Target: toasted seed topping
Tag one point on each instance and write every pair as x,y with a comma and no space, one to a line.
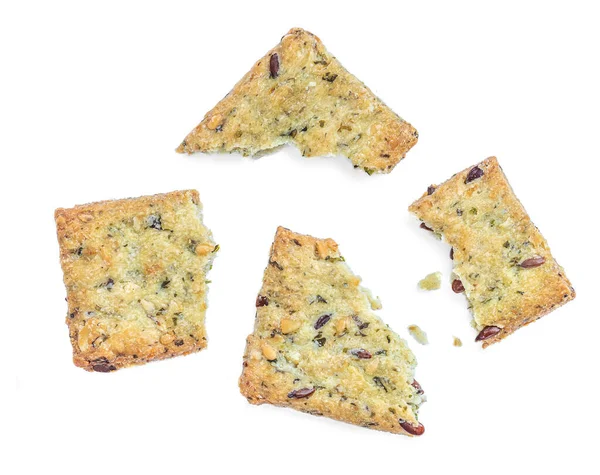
103,368
322,320
424,226
457,286
215,123
288,325
430,189
473,174
361,325
262,301
276,264
268,351
488,332
532,262
415,384
274,65
101,365
301,393
361,353
411,429
452,253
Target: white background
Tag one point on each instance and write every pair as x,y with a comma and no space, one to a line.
95,96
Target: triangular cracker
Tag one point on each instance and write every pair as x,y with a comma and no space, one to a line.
299,93
318,347
501,261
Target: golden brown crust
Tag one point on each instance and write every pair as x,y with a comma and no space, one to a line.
315,330
493,240
312,102
134,270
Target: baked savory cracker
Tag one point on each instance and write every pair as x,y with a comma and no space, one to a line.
299,93
318,347
501,261
135,273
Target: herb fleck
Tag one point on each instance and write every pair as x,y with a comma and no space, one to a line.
153,221
361,325
329,77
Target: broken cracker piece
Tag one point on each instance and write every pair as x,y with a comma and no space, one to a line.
298,93
135,272
501,261
327,353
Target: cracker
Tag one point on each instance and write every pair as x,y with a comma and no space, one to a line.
318,347
500,258
135,273
298,93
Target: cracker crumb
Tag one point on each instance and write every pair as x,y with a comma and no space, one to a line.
419,335
457,342
431,281
374,301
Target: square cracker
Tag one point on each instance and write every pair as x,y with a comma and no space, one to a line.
135,273
503,262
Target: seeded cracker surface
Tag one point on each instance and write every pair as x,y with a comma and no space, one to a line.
319,348
501,261
135,273
298,93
